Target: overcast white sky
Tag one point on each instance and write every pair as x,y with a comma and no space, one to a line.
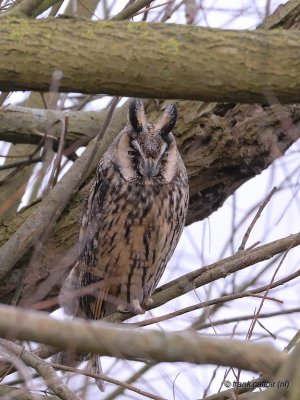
204,242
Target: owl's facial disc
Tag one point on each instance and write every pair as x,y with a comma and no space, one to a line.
149,156
148,150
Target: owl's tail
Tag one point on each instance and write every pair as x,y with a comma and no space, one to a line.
73,360
97,369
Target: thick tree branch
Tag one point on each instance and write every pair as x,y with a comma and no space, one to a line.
168,60
29,8
107,339
286,16
28,125
24,8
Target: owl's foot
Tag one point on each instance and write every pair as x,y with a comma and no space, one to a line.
97,369
149,302
137,309
69,358
123,308
134,307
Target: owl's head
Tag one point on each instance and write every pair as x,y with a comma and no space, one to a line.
148,150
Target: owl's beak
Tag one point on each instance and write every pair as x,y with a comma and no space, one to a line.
150,167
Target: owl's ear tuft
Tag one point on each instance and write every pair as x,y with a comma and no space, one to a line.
136,115
168,120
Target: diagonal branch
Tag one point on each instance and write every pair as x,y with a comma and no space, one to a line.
29,8
131,10
217,270
49,210
44,369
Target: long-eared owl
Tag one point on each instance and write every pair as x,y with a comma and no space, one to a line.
131,220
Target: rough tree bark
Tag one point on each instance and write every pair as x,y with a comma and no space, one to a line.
150,60
223,145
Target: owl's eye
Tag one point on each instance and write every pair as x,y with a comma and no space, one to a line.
131,153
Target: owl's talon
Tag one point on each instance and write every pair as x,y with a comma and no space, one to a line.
134,307
149,302
137,309
123,308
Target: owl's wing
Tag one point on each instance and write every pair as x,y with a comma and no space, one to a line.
91,282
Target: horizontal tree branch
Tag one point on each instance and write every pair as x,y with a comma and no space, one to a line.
150,60
28,125
111,340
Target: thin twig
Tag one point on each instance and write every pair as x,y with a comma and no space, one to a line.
21,163
57,162
14,393
293,341
43,368
106,378
266,294
147,9
113,395
217,270
131,10
257,215
204,304
250,316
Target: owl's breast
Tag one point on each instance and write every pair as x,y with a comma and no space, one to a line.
141,231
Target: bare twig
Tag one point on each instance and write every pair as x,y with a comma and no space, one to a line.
293,341
43,368
9,392
204,304
57,163
113,395
257,215
131,10
217,270
250,316
106,378
266,293
21,163
199,278
147,9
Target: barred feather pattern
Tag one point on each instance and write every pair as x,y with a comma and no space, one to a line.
131,220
